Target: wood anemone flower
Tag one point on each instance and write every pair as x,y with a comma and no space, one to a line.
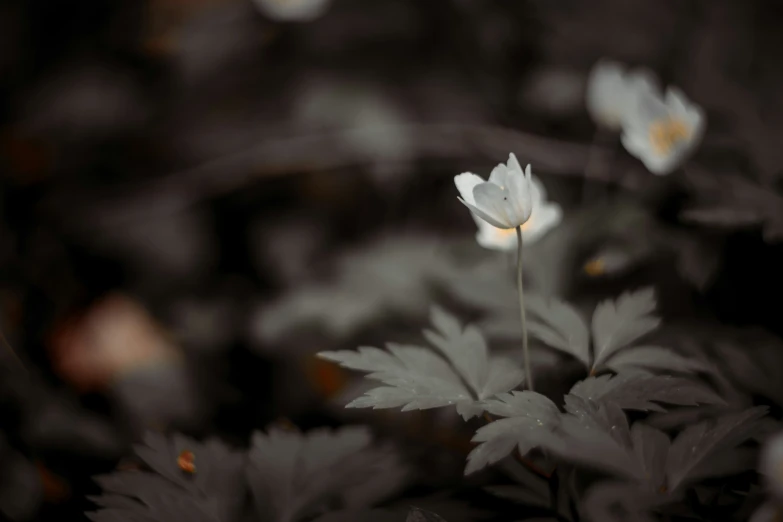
504,201
663,131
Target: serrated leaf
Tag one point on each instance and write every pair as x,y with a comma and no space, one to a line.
524,477
465,349
598,437
388,475
559,325
114,501
615,501
653,357
164,503
420,515
218,468
725,463
213,491
131,483
616,324
651,447
530,416
418,378
701,441
640,391
291,475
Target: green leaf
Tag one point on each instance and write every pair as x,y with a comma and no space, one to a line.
617,324
466,349
640,391
598,437
530,416
420,515
213,492
292,475
613,501
701,441
651,447
653,357
419,378
559,325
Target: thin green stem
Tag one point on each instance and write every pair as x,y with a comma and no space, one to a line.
525,351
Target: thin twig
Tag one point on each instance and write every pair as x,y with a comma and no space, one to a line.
273,154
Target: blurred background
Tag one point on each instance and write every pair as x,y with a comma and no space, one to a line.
198,195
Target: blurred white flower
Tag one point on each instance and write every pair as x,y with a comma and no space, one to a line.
293,10
554,91
505,201
612,92
771,464
370,124
663,133
544,216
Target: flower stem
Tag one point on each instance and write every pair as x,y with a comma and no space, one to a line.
525,351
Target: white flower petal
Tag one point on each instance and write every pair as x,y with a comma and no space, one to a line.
676,100
662,165
513,164
681,118
636,143
495,201
537,191
520,201
465,183
542,221
604,84
499,175
495,238
483,215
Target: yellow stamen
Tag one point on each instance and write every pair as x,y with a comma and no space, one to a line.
506,232
666,133
595,267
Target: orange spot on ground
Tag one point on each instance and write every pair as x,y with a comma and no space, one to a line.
326,377
595,267
28,159
187,462
55,489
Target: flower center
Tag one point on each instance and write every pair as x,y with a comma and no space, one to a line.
506,232
666,134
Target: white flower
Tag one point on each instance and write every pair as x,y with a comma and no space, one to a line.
544,216
293,10
505,201
612,91
771,464
663,133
